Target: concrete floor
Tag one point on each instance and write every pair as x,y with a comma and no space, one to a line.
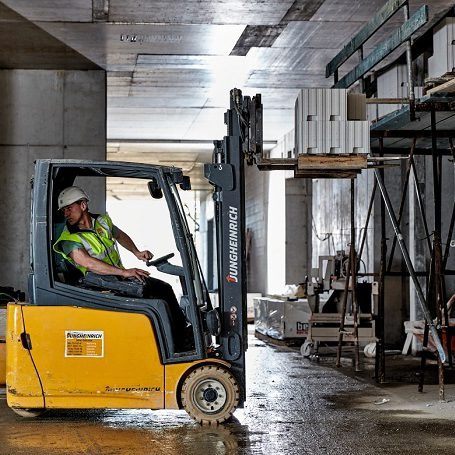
294,406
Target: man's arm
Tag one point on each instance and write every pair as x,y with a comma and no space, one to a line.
126,241
81,257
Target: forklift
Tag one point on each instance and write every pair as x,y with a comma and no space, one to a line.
89,343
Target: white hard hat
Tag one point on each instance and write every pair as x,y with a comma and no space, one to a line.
70,195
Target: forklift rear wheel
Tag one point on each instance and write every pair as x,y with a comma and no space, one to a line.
28,413
210,394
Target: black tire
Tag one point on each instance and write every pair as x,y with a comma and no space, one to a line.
210,394
29,413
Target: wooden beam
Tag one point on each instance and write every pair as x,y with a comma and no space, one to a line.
448,87
387,101
282,164
382,16
331,162
374,134
419,18
326,174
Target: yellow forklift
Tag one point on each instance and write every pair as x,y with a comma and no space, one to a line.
89,343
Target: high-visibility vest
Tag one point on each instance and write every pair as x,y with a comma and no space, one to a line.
98,242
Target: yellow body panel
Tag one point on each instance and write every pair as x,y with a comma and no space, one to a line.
122,371
25,392
2,362
125,372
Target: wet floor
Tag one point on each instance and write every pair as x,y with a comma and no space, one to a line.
294,406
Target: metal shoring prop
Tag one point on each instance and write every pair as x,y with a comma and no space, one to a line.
421,207
403,199
355,303
437,280
367,221
379,366
410,267
452,219
343,307
350,273
440,305
449,236
444,265
411,92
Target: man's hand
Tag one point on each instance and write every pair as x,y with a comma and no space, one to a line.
144,255
137,274
81,257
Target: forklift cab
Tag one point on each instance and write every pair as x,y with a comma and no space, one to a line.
54,281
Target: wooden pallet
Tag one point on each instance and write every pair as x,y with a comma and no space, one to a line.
289,342
330,166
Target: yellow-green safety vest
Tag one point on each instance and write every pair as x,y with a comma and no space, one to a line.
98,242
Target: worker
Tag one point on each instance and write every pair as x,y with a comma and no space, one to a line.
89,242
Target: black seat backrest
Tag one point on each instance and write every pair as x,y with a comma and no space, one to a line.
64,270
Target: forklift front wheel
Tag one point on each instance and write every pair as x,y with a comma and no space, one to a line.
28,413
210,394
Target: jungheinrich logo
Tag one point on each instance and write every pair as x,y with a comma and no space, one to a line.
233,276
84,335
132,389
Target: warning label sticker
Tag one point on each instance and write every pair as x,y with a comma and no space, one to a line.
82,343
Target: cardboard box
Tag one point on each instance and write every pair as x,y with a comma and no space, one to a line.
250,304
282,319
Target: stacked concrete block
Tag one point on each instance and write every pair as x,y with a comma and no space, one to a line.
392,84
284,147
331,121
357,106
443,59
320,104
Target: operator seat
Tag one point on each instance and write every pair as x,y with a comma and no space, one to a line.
64,271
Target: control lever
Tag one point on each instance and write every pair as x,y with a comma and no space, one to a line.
159,261
163,266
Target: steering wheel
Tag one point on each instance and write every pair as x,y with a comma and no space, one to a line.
159,261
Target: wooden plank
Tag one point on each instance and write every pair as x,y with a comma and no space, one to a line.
269,164
387,101
448,87
326,174
419,18
382,16
331,162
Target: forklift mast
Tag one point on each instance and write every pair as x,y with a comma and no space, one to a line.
227,174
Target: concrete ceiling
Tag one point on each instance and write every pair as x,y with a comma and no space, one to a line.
170,64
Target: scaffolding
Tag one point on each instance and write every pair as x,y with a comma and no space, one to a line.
397,134
424,126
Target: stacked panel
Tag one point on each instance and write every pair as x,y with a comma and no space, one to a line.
331,121
443,59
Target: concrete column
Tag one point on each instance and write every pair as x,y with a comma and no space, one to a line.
276,233
298,230
43,114
257,189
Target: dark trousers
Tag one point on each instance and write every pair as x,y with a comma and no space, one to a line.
157,289
152,289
